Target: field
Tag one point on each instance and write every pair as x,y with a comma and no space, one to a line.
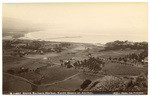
120,69
47,69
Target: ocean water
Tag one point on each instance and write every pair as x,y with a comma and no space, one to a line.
80,37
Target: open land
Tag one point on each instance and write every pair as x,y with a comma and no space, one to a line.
28,70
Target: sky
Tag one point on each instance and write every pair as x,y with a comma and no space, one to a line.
118,21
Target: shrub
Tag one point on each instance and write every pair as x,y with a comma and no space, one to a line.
112,83
108,83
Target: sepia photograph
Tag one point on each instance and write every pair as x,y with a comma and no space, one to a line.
75,48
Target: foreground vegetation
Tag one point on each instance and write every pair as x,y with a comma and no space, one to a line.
118,66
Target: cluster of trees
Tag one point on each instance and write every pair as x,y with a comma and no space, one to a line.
57,48
133,58
116,45
94,64
31,47
34,45
64,45
40,45
138,57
